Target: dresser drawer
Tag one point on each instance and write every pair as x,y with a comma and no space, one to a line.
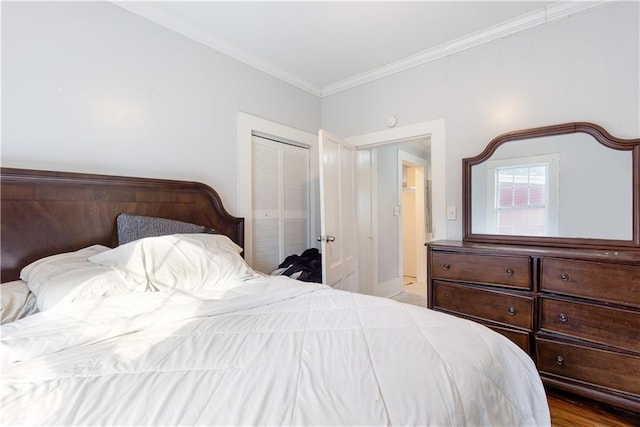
615,371
605,325
500,307
510,271
585,279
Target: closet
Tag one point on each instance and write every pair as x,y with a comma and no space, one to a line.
280,201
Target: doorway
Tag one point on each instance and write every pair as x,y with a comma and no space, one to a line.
415,209
378,234
410,221
398,210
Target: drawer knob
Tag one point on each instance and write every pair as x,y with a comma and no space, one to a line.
512,311
509,272
563,317
559,360
446,266
564,277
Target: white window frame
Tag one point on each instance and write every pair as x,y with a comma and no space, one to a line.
552,162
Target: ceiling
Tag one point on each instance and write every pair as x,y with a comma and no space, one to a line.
325,47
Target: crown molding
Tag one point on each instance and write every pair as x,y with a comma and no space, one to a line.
544,15
147,11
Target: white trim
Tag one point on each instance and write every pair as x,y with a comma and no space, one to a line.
148,11
541,16
395,135
248,124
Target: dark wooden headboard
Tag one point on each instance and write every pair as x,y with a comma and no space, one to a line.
44,213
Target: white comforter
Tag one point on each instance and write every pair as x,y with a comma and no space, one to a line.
273,351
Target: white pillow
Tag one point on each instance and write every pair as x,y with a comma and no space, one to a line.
70,276
182,262
17,301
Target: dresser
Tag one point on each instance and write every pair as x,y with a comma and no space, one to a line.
576,312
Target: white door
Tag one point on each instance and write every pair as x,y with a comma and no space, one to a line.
280,202
337,213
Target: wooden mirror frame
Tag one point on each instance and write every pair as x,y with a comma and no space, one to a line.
603,137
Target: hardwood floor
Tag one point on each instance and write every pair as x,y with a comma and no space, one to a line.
572,411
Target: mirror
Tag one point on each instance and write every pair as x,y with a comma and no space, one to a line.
565,185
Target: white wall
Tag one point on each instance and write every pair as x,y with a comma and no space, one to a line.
387,191
581,68
90,87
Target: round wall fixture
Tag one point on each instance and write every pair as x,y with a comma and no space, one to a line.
391,121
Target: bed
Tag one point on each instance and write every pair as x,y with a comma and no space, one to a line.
176,329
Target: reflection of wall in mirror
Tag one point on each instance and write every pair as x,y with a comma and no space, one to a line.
595,186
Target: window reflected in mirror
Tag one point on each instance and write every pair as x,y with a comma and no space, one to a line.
567,185
523,196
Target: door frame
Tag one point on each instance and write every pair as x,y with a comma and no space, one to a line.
248,125
421,260
435,130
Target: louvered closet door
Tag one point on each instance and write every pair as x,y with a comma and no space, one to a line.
280,198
